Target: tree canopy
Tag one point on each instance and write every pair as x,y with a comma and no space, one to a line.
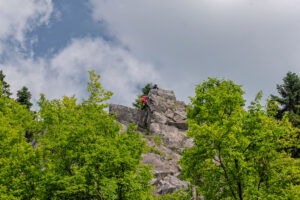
237,153
79,151
19,162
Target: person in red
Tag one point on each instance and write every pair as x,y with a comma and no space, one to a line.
144,99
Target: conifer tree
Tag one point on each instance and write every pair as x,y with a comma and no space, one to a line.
4,85
24,96
289,92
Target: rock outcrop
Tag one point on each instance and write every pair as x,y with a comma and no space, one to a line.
163,125
126,115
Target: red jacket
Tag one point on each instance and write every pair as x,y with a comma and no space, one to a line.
144,99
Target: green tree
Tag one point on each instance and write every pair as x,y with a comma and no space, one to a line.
289,92
19,163
80,153
24,96
145,91
236,151
4,86
289,102
85,154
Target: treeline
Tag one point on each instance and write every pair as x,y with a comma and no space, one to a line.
76,150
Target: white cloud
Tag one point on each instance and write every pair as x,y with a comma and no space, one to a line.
119,70
17,17
66,72
253,42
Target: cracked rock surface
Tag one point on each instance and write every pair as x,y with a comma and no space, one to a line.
163,125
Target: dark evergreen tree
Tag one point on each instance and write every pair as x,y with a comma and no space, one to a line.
289,93
147,88
24,97
4,85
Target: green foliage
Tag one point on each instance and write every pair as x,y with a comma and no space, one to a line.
289,102
145,91
97,94
236,153
19,163
80,153
24,96
157,139
180,194
289,93
215,99
76,150
85,154
147,88
272,107
153,149
4,86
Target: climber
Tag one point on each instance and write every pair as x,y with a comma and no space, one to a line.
155,87
144,99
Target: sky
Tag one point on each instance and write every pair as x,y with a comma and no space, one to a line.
49,45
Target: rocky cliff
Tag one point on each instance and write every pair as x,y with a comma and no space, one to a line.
163,127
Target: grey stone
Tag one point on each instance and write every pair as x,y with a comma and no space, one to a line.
169,184
165,117
127,115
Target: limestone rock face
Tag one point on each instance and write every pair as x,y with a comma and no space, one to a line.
163,125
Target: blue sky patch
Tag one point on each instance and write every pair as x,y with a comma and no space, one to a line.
72,19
